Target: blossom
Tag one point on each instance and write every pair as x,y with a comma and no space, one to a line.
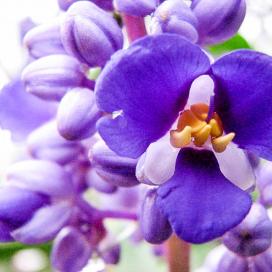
147,86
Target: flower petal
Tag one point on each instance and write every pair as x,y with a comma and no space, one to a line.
236,167
44,225
32,112
200,203
243,99
148,84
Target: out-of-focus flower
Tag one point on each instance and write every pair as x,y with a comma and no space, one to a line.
147,88
52,76
90,34
104,4
264,183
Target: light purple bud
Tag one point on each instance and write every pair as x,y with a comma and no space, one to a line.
18,205
104,4
52,76
77,114
98,183
45,143
139,8
174,16
218,21
118,171
231,262
44,40
264,183
71,250
154,225
112,255
253,236
25,25
90,34
44,177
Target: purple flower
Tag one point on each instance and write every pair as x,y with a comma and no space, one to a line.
52,76
104,4
147,88
90,34
44,40
77,114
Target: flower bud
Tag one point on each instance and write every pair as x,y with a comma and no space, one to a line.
77,114
112,255
155,226
90,34
139,8
104,4
45,143
174,16
218,21
119,171
52,76
264,183
71,250
253,236
44,40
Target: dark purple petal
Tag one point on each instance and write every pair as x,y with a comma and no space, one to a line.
154,224
147,84
5,233
71,250
77,114
44,177
243,99
200,203
21,112
117,170
44,225
17,205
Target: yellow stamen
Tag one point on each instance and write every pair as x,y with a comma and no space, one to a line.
202,136
187,118
216,129
200,110
182,138
220,144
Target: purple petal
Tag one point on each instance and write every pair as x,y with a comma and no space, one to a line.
243,99
71,250
44,225
42,176
148,84
5,233
21,112
18,205
200,203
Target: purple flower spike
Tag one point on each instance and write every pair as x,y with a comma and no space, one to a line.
104,4
90,34
154,225
118,171
44,40
52,76
77,114
38,111
253,236
218,21
174,16
42,176
45,143
71,250
136,8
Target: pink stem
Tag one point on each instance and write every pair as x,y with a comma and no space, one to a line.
135,27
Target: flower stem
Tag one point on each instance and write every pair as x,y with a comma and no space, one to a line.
135,27
178,255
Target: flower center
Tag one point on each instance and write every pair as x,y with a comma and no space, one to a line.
194,127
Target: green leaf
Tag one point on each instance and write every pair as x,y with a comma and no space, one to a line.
236,42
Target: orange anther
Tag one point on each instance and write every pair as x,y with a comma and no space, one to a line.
220,144
202,136
181,138
200,110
